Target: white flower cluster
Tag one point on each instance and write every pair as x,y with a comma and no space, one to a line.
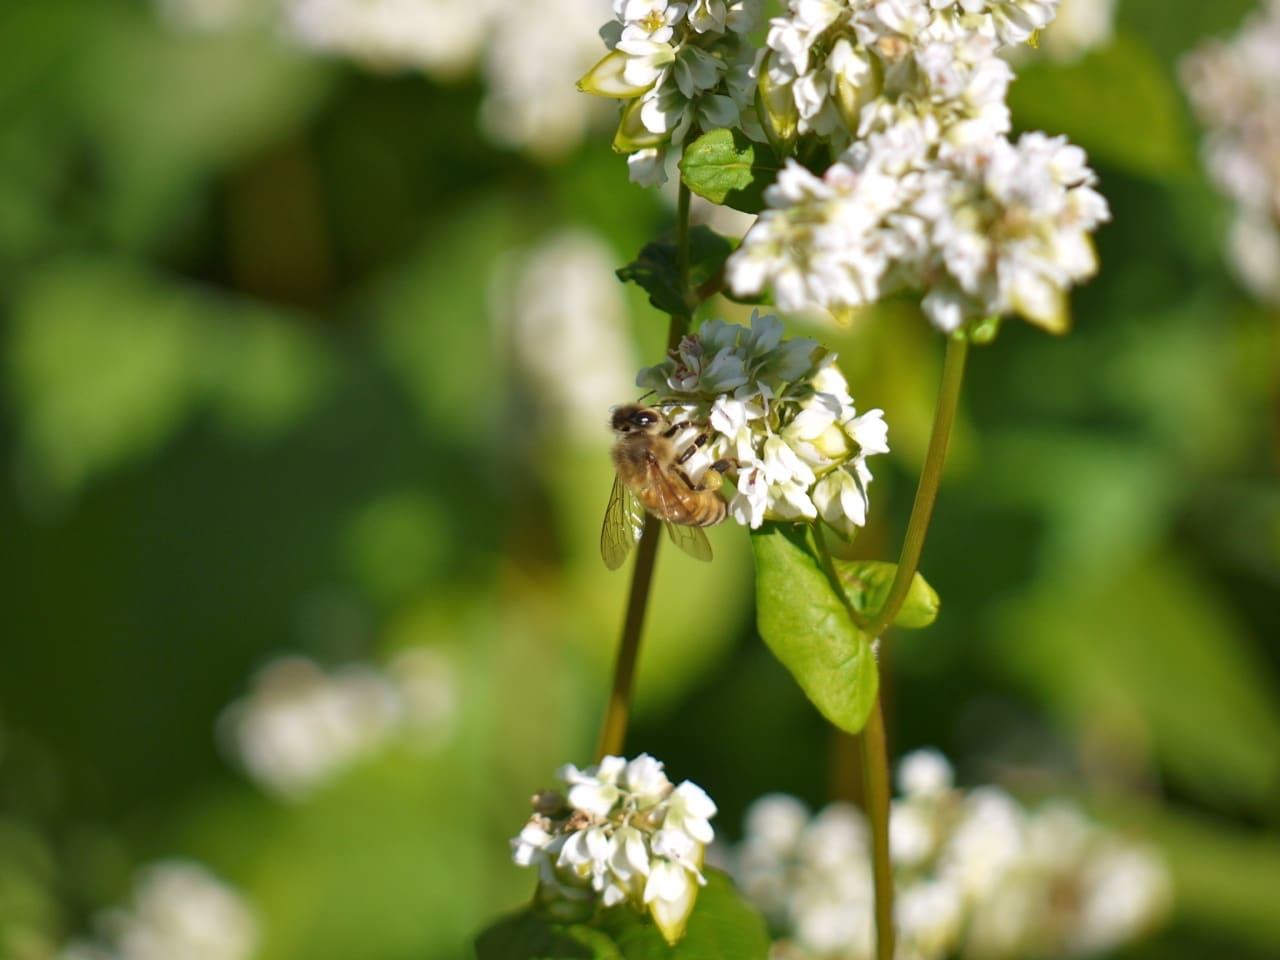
977,875
565,311
300,724
179,910
929,194
1234,87
780,414
621,833
529,54
683,68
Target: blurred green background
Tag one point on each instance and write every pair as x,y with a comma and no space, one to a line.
297,359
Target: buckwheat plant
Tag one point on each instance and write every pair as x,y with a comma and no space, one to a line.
870,138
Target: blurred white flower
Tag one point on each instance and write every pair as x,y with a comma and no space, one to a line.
427,685
179,910
978,876
299,725
535,53
528,55
565,312
442,37
1080,26
1234,86
780,415
620,833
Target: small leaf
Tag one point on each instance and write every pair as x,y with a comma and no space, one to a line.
655,268
808,627
723,926
528,935
725,167
866,584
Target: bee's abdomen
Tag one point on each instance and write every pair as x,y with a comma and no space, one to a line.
710,511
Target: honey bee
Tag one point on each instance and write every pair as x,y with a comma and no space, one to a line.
651,477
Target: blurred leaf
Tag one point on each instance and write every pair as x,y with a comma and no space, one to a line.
655,268
168,109
107,361
101,360
725,167
866,584
808,628
1142,131
1151,661
264,369
432,318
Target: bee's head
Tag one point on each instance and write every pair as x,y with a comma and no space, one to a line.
633,419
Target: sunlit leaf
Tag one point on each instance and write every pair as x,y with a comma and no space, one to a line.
725,167
866,584
808,627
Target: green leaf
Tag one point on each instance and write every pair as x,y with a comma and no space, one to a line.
655,268
723,926
1143,131
725,167
808,627
866,583
528,935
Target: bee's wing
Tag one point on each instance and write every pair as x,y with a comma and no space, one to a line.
623,524
691,540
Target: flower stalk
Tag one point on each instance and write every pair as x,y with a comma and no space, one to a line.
613,731
944,417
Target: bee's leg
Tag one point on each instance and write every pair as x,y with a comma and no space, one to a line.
724,465
699,441
695,487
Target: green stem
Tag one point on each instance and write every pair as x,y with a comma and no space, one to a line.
944,417
875,803
873,750
873,770
613,732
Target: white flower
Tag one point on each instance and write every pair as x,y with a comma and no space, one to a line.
299,725
683,68
976,874
924,773
1234,87
622,834
179,909
780,415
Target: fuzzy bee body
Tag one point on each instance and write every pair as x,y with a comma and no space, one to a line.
651,477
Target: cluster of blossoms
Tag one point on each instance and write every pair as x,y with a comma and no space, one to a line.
620,833
179,909
1234,87
928,193
781,414
682,68
300,725
527,53
978,875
